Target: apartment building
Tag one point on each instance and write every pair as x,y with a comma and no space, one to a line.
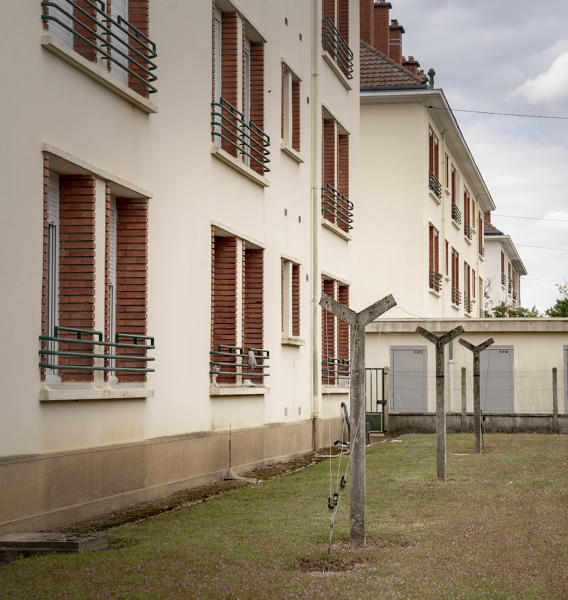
422,236
183,184
504,268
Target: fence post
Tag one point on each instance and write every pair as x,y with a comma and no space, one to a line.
554,400
464,401
386,398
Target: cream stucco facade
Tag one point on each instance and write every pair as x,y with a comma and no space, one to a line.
174,426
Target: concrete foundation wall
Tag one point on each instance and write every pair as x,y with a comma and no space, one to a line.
56,489
426,423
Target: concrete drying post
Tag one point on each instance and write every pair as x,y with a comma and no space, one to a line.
357,322
440,342
476,389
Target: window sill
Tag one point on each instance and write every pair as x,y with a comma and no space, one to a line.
73,391
334,389
292,341
456,306
432,195
235,389
434,293
293,154
481,257
456,225
466,239
239,166
447,191
335,68
337,230
98,73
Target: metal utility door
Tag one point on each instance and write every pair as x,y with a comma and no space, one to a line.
409,379
497,380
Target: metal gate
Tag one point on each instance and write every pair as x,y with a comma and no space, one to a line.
375,398
496,380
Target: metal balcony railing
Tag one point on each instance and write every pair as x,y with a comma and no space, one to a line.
503,279
231,364
240,137
514,295
435,281
456,296
435,186
337,47
58,353
456,214
336,371
509,285
468,231
481,250
336,208
467,304
115,40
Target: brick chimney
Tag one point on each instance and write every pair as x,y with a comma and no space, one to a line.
381,23
395,41
411,64
367,21
487,216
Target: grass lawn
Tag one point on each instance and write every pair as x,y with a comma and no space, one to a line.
498,528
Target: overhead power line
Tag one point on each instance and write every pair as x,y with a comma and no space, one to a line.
543,247
532,218
501,114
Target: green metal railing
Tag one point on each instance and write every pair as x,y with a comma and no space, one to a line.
338,207
233,361
456,214
456,296
229,126
503,279
116,40
337,47
435,281
435,185
482,250
93,338
467,304
335,370
468,231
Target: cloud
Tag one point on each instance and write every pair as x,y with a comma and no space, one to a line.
551,85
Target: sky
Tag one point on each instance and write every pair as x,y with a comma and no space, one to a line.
507,56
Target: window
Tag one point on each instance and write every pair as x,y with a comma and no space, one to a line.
456,294
290,278
290,118
447,255
335,337
434,164
481,293
447,170
466,287
503,278
335,206
509,280
72,344
238,119
335,34
115,33
473,284
434,276
456,213
237,310
467,230
480,234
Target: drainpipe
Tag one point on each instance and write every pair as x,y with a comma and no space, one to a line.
314,101
451,374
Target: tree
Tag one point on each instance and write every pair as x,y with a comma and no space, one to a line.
505,310
560,308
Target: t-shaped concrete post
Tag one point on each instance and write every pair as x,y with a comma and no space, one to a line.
357,322
440,342
476,389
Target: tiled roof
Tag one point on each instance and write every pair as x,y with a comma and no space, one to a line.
378,70
490,229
